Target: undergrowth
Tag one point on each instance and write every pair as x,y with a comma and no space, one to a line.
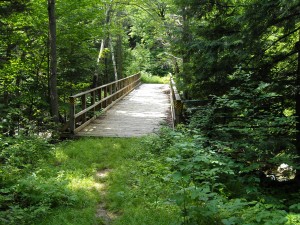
153,79
173,178
209,188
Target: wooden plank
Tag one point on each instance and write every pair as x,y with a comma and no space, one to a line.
77,120
176,104
139,113
95,104
103,110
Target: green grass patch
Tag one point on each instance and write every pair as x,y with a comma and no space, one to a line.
77,162
64,188
139,192
141,216
71,216
153,79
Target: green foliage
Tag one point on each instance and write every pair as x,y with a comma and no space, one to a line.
33,197
148,40
140,59
78,162
153,79
210,186
217,38
22,154
24,60
138,188
78,32
174,177
25,194
242,54
249,125
160,145
41,184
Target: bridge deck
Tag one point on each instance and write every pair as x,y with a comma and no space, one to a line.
139,113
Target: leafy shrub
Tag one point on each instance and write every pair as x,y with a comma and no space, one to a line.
24,194
32,197
158,145
22,152
152,79
210,186
249,125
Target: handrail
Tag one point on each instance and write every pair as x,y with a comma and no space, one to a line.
85,106
176,104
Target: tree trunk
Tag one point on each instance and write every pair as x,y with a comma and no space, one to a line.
297,99
119,57
102,47
96,75
101,51
186,36
53,62
7,58
119,49
113,58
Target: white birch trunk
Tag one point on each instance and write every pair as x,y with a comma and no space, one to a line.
113,58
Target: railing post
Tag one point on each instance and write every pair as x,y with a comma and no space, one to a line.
93,95
110,93
72,114
83,107
177,104
115,91
105,95
127,85
131,80
119,88
99,97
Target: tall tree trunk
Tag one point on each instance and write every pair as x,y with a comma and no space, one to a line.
119,56
7,58
297,99
119,49
113,58
96,74
101,51
186,36
102,47
53,62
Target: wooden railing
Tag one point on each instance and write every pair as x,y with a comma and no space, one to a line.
176,104
87,105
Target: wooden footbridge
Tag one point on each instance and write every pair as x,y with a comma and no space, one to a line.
124,108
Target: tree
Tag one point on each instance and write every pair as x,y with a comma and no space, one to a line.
148,28
53,62
297,100
24,70
103,44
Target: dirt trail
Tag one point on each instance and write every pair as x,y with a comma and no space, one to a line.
102,213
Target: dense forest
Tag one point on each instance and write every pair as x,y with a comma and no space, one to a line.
236,63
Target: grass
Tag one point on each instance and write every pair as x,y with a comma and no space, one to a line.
138,190
67,189
77,162
153,79
129,193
